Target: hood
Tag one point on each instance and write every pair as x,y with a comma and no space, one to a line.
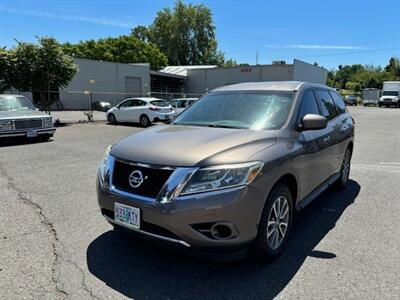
22,114
175,145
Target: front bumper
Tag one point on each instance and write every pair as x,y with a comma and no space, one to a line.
388,102
173,223
23,132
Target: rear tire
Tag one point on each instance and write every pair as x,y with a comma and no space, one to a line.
144,121
111,119
275,225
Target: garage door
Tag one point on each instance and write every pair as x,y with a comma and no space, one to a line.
133,86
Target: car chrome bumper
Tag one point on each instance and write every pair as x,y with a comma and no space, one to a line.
22,133
152,235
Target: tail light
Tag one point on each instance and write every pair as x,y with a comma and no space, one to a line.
153,108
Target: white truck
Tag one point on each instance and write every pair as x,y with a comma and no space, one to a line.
370,96
390,94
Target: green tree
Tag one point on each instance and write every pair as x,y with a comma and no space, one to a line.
37,68
53,70
186,34
393,68
4,70
122,49
22,62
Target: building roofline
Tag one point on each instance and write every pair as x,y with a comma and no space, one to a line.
159,73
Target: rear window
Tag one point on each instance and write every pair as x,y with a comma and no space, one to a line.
160,103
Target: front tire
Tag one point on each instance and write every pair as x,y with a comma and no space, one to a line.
111,119
345,170
275,225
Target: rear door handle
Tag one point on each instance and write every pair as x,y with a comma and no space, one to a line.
327,139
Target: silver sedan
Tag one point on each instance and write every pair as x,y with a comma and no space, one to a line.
20,118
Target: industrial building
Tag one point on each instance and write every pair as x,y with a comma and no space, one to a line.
202,80
112,82
104,81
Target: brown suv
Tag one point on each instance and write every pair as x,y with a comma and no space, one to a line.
227,175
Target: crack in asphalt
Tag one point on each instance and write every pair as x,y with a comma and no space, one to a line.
55,240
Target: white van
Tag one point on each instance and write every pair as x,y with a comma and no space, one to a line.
390,94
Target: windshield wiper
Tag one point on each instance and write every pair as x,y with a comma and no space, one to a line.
190,124
226,126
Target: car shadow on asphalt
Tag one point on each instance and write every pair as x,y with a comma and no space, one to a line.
144,271
7,142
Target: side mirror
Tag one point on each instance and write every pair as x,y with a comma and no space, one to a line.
314,122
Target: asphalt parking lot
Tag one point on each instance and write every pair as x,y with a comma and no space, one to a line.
54,244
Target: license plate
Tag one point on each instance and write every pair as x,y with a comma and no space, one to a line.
31,134
127,215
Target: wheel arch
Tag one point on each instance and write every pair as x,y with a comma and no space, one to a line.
291,182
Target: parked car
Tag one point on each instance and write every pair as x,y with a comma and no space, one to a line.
181,104
101,106
141,110
19,118
227,175
350,100
390,94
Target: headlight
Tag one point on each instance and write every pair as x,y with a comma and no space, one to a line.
104,169
222,177
6,125
48,122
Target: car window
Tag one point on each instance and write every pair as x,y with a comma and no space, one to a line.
308,105
160,103
326,104
137,102
239,109
15,103
127,103
173,103
182,104
340,105
191,102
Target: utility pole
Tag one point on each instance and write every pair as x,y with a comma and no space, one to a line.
257,57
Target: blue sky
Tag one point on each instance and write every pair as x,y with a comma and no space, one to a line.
328,32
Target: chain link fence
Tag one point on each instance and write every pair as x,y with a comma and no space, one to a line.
87,100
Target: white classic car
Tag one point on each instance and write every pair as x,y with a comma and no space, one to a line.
20,118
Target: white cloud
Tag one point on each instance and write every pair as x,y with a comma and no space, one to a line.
315,47
65,17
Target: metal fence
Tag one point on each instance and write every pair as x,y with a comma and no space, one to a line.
84,100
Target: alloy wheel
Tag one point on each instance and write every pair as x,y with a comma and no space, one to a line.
278,221
144,121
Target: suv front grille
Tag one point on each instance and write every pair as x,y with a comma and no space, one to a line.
154,179
27,124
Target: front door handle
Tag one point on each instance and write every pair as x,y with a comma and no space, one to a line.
327,139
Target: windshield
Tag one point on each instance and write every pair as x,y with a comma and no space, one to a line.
15,103
239,109
159,103
390,93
